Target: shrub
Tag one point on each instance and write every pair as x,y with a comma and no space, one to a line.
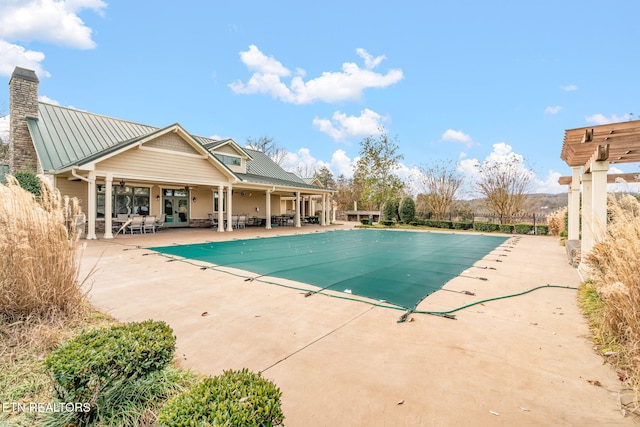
38,268
463,225
438,223
364,221
29,181
506,228
407,210
390,210
523,228
235,398
542,230
414,223
485,226
556,222
386,222
93,364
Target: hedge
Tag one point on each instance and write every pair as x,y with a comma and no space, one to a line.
235,398
485,226
523,228
506,228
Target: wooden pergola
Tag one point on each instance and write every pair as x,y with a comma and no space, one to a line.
589,151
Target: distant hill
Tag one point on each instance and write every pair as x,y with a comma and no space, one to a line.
544,204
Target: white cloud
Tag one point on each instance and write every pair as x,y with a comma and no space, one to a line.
49,21
552,110
550,184
462,155
44,98
346,85
341,126
569,88
12,55
457,136
601,119
341,164
4,128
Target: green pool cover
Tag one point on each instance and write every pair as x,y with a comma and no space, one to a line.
397,267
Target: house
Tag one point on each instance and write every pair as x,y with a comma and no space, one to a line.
116,166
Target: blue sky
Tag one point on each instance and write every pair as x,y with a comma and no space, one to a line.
459,81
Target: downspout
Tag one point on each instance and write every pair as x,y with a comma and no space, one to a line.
91,204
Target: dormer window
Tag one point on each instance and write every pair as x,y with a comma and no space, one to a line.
228,160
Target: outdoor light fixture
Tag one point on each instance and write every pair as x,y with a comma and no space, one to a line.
158,197
186,188
122,183
193,200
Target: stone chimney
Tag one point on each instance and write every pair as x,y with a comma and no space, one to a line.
23,103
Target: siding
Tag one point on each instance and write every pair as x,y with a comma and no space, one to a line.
160,166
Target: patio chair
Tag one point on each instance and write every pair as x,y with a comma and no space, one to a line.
160,222
242,221
234,221
149,224
135,224
213,220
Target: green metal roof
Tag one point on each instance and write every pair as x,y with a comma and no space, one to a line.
64,137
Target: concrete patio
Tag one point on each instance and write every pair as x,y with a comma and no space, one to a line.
526,360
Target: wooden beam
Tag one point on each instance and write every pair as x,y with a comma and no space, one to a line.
612,178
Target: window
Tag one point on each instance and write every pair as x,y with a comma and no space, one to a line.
215,201
125,200
229,160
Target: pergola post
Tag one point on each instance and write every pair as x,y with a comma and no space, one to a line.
599,201
587,215
574,206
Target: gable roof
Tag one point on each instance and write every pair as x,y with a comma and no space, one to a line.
64,137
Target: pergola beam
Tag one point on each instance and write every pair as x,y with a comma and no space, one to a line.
612,178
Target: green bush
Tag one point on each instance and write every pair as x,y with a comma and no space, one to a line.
235,398
390,210
564,234
414,223
463,225
506,228
485,226
29,181
92,364
438,223
523,228
407,210
386,222
364,221
542,230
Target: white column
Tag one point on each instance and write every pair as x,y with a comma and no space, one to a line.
297,217
303,210
334,208
229,208
323,217
267,210
108,196
220,211
587,215
599,199
91,194
574,205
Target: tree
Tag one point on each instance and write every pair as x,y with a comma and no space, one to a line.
266,145
346,193
440,182
374,171
407,210
325,176
504,184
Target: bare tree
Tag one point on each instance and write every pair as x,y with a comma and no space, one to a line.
268,147
504,185
305,170
440,182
